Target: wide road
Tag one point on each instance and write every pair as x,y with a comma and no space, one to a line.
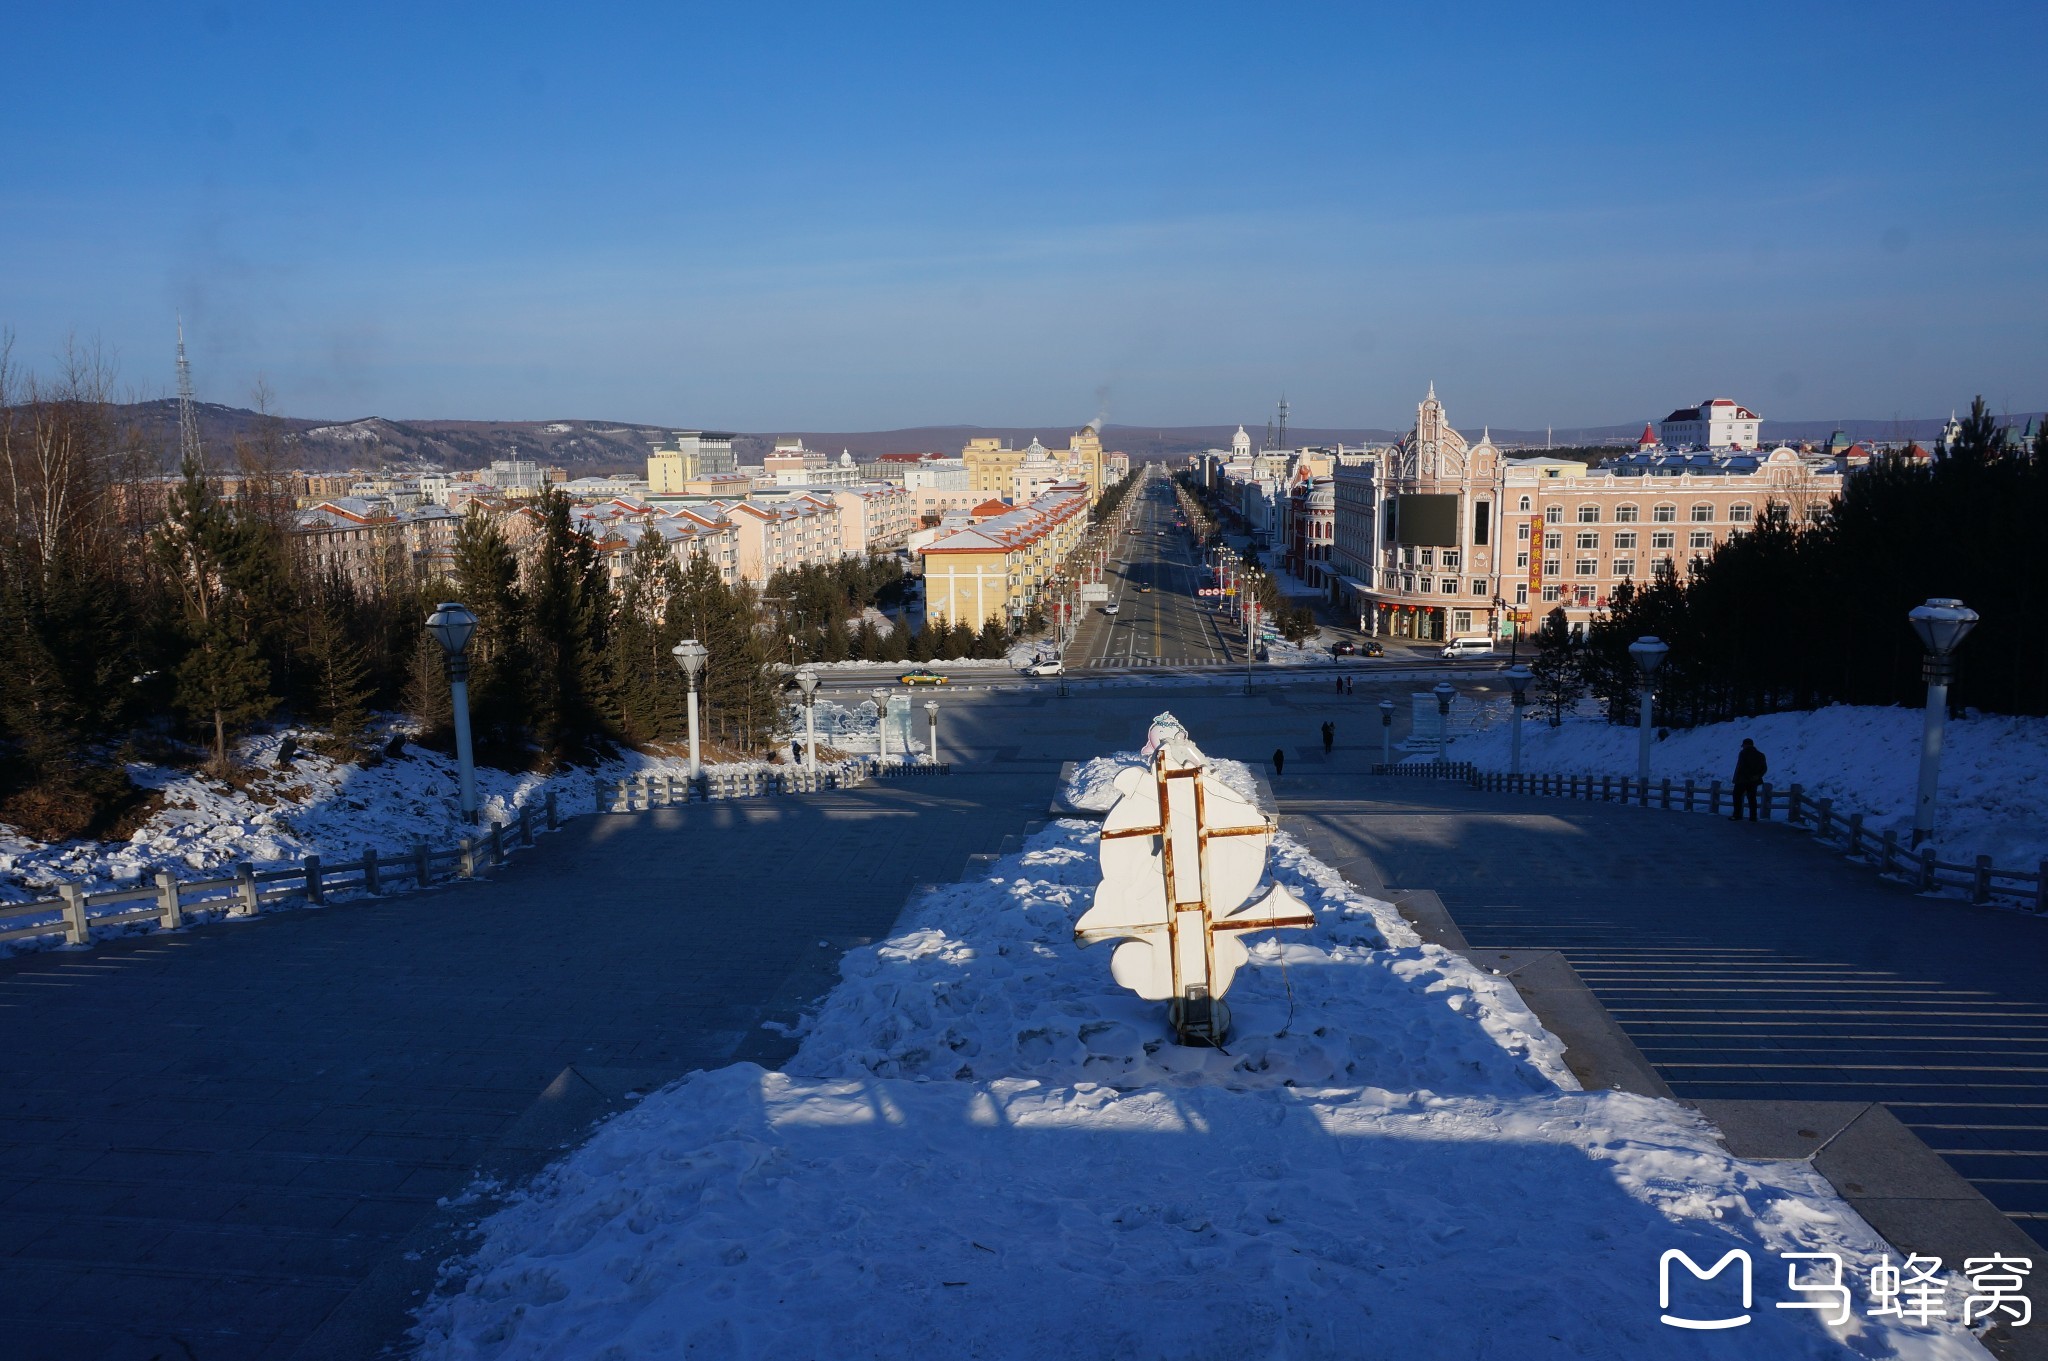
1170,623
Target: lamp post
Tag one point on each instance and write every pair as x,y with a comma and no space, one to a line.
931,720
452,625
690,655
1386,732
1942,624
807,681
1445,692
882,724
1649,654
1518,677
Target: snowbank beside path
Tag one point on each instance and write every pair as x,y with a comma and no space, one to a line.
984,1148
317,806
1994,769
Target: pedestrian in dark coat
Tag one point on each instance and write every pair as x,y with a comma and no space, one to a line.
1279,762
1329,737
1340,685
1347,685
1750,769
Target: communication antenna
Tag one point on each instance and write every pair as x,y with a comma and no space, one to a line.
1283,422
189,448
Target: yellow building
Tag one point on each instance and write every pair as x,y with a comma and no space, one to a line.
1016,475
995,568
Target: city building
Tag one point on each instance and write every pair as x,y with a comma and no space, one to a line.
778,533
1714,424
695,455
995,567
1446,537
874,517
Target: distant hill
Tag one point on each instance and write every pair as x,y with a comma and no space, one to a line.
618,446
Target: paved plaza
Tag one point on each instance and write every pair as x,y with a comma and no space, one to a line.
214,1144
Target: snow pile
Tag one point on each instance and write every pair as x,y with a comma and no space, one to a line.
315,806
983,1148
1994,769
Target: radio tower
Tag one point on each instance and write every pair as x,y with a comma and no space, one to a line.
1283,422
190,454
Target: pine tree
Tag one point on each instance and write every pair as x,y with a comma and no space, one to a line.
959,640
222,680
426,697
487,581
1559,683
337,678
567,610
990,644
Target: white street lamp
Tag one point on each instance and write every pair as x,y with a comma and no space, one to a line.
1445,692
1386,732
691,655
1518,677
807,682
931,718
452,626
1649,654
882,724
1942,624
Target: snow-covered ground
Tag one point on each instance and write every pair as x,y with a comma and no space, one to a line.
985,1148
1994,770
317,806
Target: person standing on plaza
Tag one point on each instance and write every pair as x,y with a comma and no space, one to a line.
1279,762
1750,769
1329,737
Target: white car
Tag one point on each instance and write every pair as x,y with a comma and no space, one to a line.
1111,608
1052,668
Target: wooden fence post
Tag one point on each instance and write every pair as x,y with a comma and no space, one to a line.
76,930
170,907
467,862
526,825
1688,795
1765,796
245,889
1888,852
1824,819
497,844
1665,793
1855,833
1927,869
316,891
422,864
1980,884
1714,797
1794,814
372,881
2041,888
553,820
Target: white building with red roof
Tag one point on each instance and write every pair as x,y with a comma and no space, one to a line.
1716,423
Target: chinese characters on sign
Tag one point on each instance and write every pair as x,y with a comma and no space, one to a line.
1915,1292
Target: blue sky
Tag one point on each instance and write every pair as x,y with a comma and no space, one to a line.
858,217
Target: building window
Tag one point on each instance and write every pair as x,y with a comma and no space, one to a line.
1741,513
1553,542
1553,515
1482,522
1450,585
1703,512
1429,557
1522,593
1426,584
1700,538
1589,514
1664,514
1478,586
1551,568
1663,538
1624,567
1626,514
1450,557
1461,621
1816,513
1551,593
1589,538
1625,539
1586,567
1585,595
1523,504
1522,532
1521,562
1661,569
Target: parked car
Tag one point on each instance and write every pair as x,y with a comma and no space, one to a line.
922,678
1472,646
1046,668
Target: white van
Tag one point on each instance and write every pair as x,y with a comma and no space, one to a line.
1476,645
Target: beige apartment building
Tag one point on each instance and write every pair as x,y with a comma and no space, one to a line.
1441,537
996,567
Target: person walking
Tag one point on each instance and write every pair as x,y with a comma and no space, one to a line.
1340,685
1347,685
1329,737
1279,762
1750,769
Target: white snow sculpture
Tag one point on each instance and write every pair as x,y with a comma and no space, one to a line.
1181,852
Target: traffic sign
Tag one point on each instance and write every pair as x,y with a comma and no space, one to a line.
1211,590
